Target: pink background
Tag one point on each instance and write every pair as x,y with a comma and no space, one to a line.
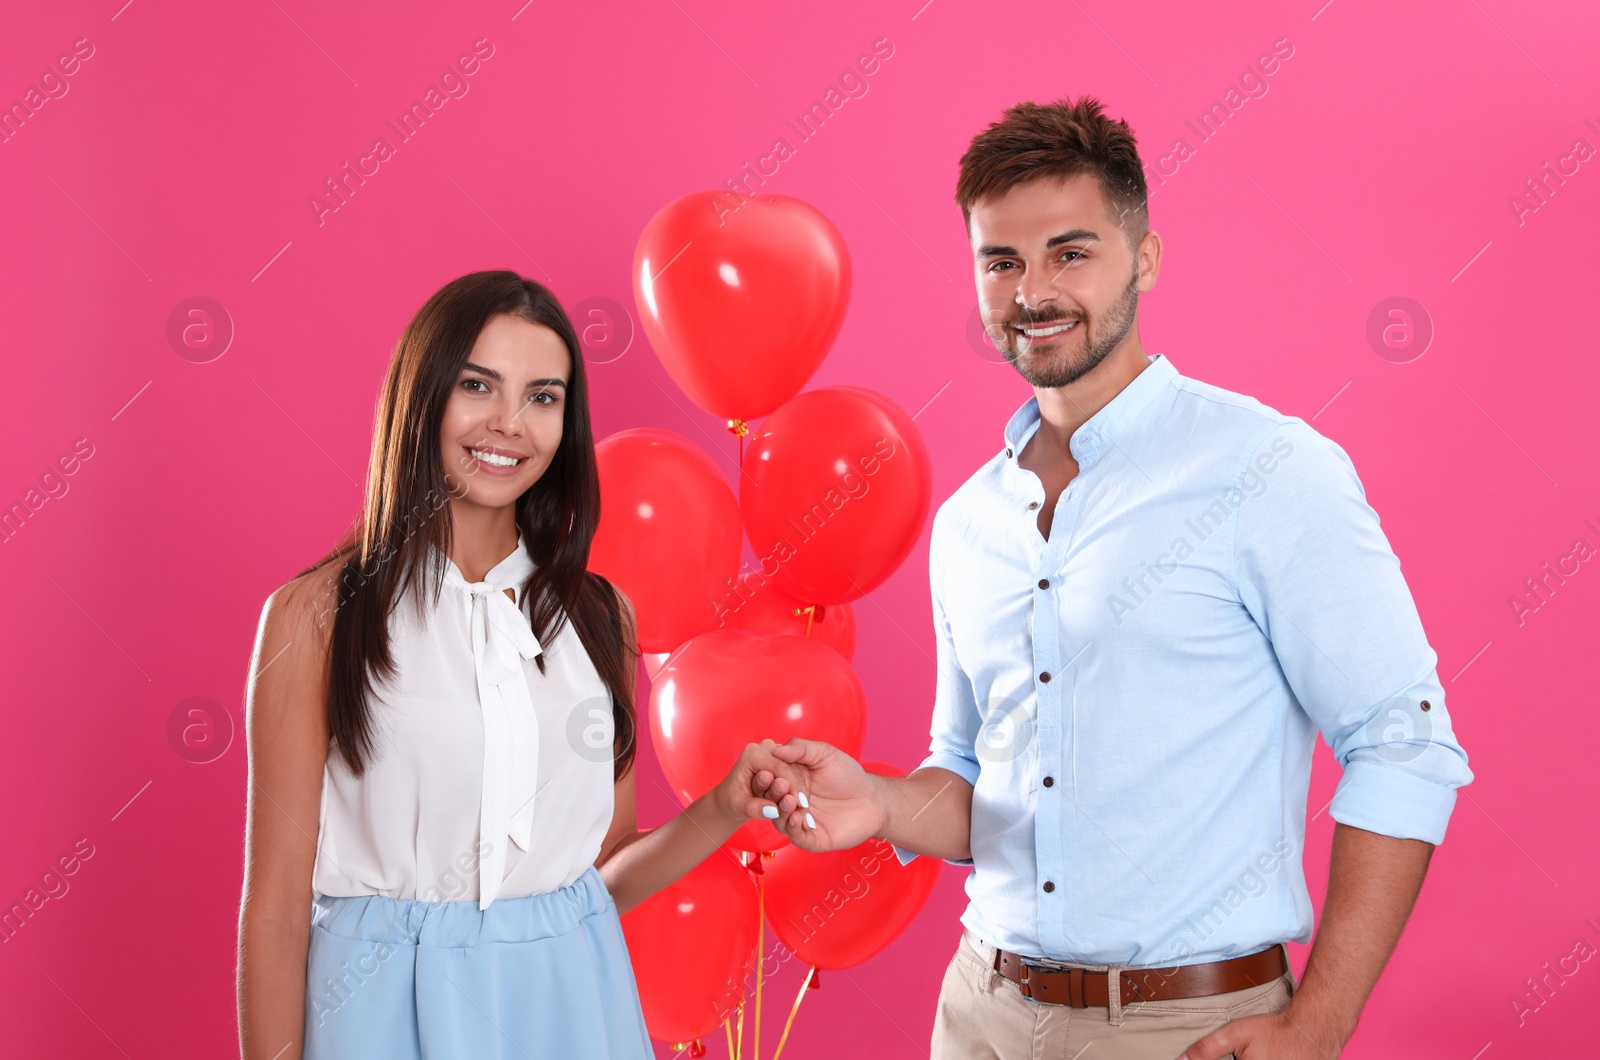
180,162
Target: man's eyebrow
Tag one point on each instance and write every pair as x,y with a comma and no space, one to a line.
1076,235
498,378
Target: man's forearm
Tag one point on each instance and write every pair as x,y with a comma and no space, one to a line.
929,812
1373,882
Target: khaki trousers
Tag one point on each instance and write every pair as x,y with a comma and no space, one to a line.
983,1016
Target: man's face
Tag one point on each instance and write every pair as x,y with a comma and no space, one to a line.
1058,285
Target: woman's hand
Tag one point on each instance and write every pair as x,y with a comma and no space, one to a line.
737,797
825,800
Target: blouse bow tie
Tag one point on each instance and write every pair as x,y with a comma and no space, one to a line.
501,639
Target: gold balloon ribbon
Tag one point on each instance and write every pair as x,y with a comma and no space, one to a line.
761,939
811,611
801,996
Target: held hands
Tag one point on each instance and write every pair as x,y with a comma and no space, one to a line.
738,797
825,800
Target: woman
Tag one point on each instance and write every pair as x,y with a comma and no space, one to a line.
441,827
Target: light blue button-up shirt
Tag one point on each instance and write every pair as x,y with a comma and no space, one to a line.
1135,700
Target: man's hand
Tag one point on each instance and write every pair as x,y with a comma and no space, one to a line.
843,803
1271,1037
1373,882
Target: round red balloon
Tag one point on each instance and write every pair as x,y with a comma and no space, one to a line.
653,662
771,611
741,297
728,688
835,910
668,534
835,490
691,945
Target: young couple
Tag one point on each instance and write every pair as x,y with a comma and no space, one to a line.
1145,608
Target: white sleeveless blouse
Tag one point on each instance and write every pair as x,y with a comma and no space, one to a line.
488,779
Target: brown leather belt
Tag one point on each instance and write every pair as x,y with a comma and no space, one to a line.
1083,988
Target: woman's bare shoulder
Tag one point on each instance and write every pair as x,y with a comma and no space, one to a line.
298,617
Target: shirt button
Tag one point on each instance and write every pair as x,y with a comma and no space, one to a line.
1008,452
1044,583
1426,705
1045,677
1048,886
1049,782
1032,505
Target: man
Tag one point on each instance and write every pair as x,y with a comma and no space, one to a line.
1146,606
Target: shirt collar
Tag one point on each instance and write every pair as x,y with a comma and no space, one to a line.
509,573
1090,440
501,640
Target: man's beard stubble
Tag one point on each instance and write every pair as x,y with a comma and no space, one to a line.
1063,368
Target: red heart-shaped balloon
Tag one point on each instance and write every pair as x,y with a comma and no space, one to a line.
668,534
691,945
836,909
741,298
728,688
835,489
761,606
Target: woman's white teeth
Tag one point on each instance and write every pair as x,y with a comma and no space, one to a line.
495,459
1041,333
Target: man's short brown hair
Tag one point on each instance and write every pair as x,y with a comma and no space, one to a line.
1060,139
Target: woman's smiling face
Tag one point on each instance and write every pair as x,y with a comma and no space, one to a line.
502,423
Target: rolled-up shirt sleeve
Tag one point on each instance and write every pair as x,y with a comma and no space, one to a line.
1319,578
953,734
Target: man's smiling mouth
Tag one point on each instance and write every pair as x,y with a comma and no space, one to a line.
1047,331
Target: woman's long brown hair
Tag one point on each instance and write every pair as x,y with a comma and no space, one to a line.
406,509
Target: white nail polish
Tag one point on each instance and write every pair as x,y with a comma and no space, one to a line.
811,822
769,812
805,803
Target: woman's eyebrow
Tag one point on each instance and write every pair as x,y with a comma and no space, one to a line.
498,378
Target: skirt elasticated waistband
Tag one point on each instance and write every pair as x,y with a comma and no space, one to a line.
378,918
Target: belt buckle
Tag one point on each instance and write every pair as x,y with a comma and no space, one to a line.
1045,964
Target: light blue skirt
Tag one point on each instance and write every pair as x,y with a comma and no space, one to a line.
546,975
